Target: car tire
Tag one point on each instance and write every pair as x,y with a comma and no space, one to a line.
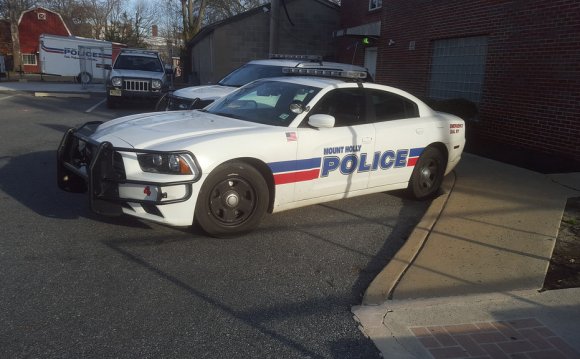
232,200
428,174
84,78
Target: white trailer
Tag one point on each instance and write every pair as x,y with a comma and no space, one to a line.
85,59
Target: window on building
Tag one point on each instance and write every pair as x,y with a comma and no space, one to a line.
458,68
375,4
390,106
28,59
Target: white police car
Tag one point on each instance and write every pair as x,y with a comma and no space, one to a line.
196,97
272,145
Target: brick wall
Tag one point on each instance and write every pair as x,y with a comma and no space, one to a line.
531,94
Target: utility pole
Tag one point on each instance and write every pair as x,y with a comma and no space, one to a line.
274,25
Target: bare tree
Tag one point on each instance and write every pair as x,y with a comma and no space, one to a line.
192,12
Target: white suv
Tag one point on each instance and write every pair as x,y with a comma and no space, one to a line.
137,74
197,97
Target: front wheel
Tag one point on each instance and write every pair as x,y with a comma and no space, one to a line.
232,200
428,174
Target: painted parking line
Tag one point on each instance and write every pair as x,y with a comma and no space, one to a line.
95,106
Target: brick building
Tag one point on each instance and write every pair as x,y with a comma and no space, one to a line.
221,47
518,61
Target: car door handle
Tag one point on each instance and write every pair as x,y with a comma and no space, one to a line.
367,139
419,131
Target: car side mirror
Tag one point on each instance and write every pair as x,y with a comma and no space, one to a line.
168,71
321,121
108,67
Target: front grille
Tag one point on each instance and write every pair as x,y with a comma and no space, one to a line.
136,85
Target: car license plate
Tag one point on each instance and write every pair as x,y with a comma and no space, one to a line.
115,92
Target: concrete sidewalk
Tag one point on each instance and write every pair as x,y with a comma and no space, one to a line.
450,291
52,87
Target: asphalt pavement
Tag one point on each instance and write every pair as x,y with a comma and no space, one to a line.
467,282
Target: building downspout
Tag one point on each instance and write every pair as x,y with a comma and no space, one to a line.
274,25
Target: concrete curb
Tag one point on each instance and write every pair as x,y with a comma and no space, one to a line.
382,287
62,94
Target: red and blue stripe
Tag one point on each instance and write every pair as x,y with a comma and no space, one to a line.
414,154
296,170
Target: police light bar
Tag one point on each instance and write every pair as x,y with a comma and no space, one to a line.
357,75
296,57
139,51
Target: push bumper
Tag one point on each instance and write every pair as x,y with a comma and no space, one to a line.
84,165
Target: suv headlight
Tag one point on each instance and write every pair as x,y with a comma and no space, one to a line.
116,81
156,84
172,164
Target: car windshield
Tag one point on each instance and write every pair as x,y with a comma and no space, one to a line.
141,63
249,73
267,102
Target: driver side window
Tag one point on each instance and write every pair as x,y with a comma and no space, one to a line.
347,106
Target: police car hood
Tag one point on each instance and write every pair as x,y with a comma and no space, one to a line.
156,129
210,92
137,74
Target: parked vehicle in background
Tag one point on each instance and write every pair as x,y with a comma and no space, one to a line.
137,74
196,97
85,59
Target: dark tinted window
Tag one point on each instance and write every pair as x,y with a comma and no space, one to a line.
141,63
249,73
389,106
346,105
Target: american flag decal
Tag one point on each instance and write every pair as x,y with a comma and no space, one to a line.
291,136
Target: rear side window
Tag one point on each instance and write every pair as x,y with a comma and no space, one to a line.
389,106
346,105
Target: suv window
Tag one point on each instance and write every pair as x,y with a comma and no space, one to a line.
142,63
249,73
346,105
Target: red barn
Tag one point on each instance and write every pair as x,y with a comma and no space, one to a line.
31,25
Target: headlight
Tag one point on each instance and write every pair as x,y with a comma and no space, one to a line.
116,81
167,163
156,84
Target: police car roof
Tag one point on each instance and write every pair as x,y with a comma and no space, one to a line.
308,64
313,81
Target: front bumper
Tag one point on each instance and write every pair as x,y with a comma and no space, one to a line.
115,92
113,183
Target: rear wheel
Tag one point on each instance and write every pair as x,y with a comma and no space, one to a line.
84,78
428,174
232,200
